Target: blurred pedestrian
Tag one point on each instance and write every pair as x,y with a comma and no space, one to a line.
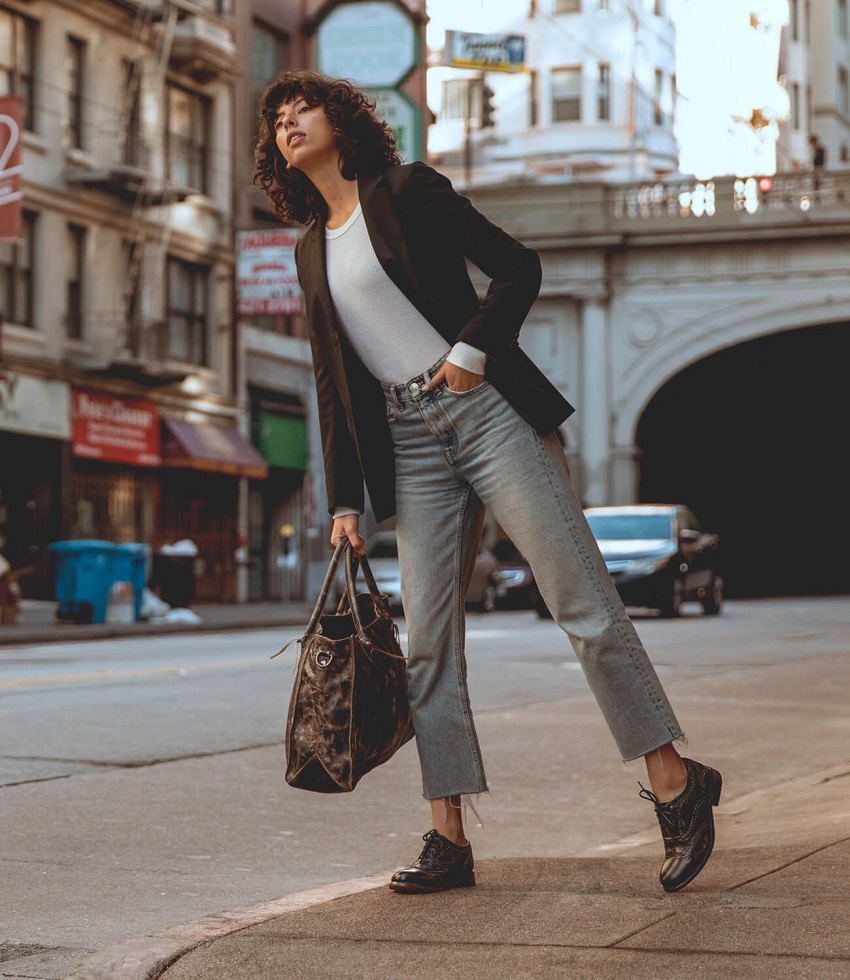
818,158
426,396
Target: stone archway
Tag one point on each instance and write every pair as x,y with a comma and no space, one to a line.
754,438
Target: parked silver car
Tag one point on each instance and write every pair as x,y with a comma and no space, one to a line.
382,554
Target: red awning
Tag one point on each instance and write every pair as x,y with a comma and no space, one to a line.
210,447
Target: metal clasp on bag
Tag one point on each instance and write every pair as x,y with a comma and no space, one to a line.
323,658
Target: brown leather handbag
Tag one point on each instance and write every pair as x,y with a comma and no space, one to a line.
348,711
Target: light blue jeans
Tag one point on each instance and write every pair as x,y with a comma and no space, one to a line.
457,454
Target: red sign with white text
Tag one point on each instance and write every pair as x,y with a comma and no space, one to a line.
266,277
11,194
116,430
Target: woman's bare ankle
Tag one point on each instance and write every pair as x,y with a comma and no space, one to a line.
447,818
666,772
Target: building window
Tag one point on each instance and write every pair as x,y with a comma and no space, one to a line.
842,90
221,8
658,8
674,89
657,98
533,97
17,62
843,155
75,256
187,312
187,135
842,18
603,94
794,17
603,5
795,106
566,6
75,80
566,94
458,101
17,260
807,20
131,116
269,55
132,307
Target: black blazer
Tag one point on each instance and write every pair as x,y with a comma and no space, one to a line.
422,232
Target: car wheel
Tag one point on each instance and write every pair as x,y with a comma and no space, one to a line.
538,605
490,597
672,606
713,602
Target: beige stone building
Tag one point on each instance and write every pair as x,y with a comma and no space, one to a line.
120,417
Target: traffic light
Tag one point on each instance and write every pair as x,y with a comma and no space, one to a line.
765,185
487,108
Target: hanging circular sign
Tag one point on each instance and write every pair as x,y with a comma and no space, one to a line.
371,43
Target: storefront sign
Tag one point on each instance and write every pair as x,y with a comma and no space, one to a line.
282,441
11,194
400,114
373,44
116,430
266,280
493,52
34,406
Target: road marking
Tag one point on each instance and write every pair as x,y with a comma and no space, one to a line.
108,674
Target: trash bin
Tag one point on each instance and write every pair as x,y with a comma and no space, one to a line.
130,564
174,573
83,575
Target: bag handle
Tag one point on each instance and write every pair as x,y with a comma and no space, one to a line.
351,565
326,587
350,594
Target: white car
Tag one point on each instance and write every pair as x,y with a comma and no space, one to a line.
382,554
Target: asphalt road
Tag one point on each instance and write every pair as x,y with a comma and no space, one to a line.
142,779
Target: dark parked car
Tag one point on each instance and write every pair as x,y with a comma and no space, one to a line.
514,578
659,556
382,554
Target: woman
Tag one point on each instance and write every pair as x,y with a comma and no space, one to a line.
425,395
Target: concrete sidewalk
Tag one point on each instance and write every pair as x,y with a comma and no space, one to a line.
37,623
773,902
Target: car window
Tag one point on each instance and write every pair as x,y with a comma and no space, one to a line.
382,548
689,520
505,550
630,527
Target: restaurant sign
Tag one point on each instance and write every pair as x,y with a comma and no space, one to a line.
115,430
266,277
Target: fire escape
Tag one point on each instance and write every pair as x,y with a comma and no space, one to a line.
176,35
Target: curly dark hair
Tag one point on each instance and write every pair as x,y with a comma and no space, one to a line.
365,142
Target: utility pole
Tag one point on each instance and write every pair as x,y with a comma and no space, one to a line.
467,135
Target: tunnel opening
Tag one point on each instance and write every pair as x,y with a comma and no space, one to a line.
755,440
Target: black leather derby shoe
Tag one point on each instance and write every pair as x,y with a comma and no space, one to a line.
687,825
440,866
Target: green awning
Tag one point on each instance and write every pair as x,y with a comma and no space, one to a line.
282,441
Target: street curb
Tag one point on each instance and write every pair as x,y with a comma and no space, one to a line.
74,634
148,957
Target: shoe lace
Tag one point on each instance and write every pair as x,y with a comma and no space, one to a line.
432,845
671,819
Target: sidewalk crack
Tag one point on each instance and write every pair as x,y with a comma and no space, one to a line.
789,864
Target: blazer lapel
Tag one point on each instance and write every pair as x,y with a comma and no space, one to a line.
386,236
313,274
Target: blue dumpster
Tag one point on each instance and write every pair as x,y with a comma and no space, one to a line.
83,575
130,564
